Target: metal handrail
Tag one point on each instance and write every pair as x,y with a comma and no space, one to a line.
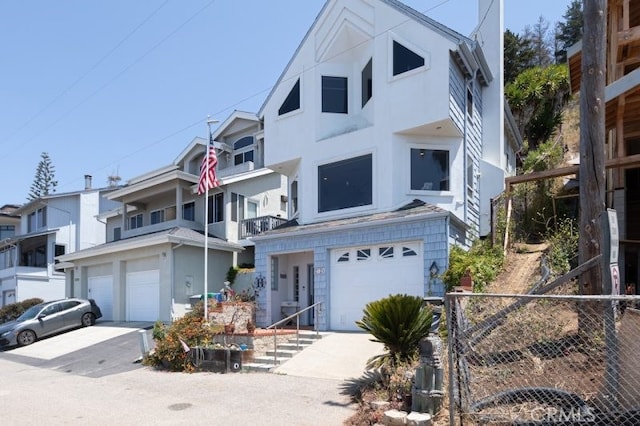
295,315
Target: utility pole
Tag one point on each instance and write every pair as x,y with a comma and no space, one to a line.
592,141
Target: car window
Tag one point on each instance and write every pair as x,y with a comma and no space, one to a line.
68,304
51,309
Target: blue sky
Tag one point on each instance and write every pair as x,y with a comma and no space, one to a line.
121,87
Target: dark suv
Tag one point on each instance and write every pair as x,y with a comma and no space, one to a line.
49,318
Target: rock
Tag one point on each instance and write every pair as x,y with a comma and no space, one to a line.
394,418
419,419
376,405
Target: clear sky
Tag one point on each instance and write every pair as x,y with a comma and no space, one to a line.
121,87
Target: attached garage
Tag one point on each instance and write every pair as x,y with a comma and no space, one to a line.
101,290
143,295
360,275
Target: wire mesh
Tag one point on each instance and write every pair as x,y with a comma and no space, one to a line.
544,359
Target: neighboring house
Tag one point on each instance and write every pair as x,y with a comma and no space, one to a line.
394,135
622,125
49,226
152,263
9,223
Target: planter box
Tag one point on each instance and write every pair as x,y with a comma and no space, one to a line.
218,360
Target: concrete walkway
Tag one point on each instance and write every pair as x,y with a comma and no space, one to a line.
338,356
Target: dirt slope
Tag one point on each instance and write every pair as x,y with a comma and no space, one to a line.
521,270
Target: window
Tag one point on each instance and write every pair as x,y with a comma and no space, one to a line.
334,94
157,216
296,283
189,211
7,231
216,208
367,82
59,250
292,101
385,252
404,59
170,213
344,257
37,220
363,254
429,170
274,273
68,304
407,251
294,197
252,210
117,234
469,102
135,221
345,184
243,149
237,207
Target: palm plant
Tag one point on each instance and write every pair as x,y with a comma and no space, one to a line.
399,322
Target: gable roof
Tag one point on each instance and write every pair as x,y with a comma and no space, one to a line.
411,14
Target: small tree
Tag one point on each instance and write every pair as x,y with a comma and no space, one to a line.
44,182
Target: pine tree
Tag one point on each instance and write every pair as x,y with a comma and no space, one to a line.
44,182
540,40
518,55
570,31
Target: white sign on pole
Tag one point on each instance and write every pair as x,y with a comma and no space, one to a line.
613,232
615,279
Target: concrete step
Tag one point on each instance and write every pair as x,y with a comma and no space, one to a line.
257,367
293,346
267,360
283,353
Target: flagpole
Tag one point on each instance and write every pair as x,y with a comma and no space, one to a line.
207,184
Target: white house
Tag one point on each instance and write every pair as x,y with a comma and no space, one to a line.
49,226
394,135
152,262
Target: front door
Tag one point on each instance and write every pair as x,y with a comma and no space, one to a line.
310,287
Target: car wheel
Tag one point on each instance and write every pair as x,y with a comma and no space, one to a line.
26,337
88,319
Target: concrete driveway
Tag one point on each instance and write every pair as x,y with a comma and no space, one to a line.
103,349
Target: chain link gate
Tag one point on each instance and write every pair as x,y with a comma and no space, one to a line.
543,359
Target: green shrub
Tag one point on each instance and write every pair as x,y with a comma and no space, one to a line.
399,322
563,245
483,261
14,310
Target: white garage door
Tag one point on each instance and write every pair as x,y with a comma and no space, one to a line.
101,290
143,296
364,274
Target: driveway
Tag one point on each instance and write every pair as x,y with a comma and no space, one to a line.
103,349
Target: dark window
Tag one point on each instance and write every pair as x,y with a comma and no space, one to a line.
344,257
135,221
7,231
404,59
117,234
344,184
334,94
385,252
363,254
367,82
59,250
429,170
189,211
470,102
244,151
157,217
406,251
292,102
234,208
68,304
216,208
294,197
243,142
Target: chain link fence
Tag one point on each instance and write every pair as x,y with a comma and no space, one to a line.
543,359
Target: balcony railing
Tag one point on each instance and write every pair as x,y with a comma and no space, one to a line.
258,225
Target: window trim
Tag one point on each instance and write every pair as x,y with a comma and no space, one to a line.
429,148
415,49
348,208
332,94
136,217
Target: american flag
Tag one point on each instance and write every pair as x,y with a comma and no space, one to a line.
208,178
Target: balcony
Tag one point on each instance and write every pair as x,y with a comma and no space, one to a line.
258,225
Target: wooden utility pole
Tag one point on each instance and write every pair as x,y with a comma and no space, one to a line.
592,141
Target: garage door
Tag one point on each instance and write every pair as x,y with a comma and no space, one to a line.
143,296
101,290
361,275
